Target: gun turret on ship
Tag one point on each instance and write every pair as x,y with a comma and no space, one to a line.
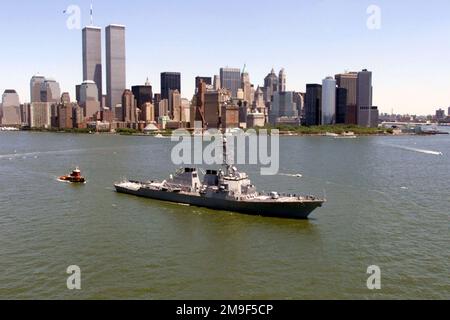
226,189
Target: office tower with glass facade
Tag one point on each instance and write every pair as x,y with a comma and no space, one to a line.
349,81
143,94
313,104
170,81
230,79
341,105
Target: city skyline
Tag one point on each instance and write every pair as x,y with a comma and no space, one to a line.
401,64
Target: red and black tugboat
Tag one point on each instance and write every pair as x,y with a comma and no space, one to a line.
74,177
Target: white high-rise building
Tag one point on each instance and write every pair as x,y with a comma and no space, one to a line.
282,81
328,101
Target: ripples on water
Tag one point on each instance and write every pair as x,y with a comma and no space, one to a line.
387,206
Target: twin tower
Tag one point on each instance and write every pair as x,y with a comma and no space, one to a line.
115,62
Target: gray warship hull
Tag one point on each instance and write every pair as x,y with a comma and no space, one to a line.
289,210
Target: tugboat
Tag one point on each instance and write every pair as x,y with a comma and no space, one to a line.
74,177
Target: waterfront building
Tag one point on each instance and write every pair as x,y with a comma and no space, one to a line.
175,105
213,101
50,91
115,64
328,101
92,57
230,79
89,98
440,114
10,109
313,104
283,106
65,116
185,111
170,81
341,105
229,116
128,107
148,112
143,94
36,83
40,115
255,120
349,81
163,108
364,98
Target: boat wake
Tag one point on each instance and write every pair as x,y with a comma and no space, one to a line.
431,152
298,175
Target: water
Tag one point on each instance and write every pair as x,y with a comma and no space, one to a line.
388,205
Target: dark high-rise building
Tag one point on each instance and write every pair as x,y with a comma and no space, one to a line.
349,81
170,81
143,94
92,57
115,64
341,105
313,104
230,78
206,80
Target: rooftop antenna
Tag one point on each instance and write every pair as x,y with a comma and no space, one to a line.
92,14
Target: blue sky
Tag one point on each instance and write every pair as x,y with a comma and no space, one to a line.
409,55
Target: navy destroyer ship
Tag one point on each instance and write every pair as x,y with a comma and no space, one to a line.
226,189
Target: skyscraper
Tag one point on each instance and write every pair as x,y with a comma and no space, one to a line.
366,112
92,57
282,81
128,107
89,98
328,101
270,85
10,108
115,64
313,104
230,78
143,94
36,83
170,81
206,80
283,106
349,81
341,105
50,91
247,87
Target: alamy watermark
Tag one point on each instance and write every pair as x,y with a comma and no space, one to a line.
74,280
207,148
374,281
374,19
